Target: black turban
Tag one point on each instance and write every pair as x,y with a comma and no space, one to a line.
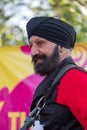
53,30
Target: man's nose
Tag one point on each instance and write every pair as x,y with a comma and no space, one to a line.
34,51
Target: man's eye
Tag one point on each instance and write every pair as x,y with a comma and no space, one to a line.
40,43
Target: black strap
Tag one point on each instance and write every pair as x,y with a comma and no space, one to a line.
63,71
57,79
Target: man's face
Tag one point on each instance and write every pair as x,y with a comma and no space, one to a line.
45,55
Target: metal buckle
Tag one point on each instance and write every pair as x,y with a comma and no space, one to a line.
36,111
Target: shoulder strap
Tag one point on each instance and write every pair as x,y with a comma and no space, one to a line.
58,77
63,71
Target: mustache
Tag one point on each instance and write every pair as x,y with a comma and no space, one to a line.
36,57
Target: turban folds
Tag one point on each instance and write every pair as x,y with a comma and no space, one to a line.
53,30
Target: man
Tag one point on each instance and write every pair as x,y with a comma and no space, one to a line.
51,41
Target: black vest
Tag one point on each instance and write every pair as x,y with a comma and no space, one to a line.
55,116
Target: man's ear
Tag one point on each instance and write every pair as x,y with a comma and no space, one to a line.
62,50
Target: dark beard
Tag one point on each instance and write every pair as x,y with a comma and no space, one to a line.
48,65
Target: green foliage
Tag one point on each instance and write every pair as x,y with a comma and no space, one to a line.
9,34
70,11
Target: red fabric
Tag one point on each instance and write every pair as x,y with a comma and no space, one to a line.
72,92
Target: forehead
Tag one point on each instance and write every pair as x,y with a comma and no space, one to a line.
35,39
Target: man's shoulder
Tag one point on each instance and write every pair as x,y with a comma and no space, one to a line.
75,74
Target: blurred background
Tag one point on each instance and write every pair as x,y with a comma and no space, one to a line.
14,15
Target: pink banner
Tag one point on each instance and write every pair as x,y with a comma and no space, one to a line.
18,83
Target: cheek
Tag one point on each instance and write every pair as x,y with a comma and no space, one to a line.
48,51
48,48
